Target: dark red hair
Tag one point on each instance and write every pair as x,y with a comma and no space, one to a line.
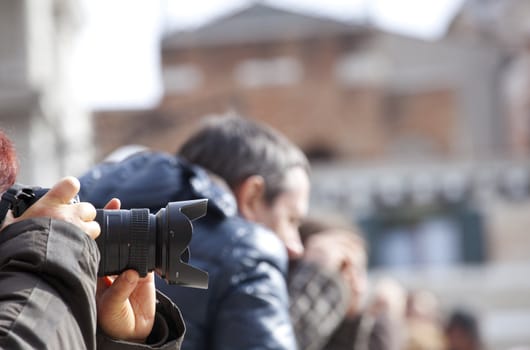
8,162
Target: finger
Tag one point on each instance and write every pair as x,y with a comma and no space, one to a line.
64,190
122,288
103,283
101,287
108,280
92,228
85,211
114,203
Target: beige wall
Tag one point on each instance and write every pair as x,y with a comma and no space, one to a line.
53,134
317,110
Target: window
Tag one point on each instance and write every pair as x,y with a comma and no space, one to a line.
435,237
360,69
255,73
181,79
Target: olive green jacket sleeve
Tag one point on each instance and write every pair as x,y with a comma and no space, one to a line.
48,273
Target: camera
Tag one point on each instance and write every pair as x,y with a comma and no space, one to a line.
135,238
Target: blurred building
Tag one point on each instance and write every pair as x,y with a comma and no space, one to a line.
359,93
503,24
52,134
412,138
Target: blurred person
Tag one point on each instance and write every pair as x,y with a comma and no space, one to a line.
462,331
48,270
334,261
387,302
389,298
423,325
257,185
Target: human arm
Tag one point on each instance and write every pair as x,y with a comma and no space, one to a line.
48,267
48,273
253,312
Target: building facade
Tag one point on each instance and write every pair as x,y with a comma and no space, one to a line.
359,93
52,134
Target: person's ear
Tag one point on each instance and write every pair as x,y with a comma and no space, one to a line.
249,196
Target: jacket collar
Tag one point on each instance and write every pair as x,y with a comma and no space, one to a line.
207,185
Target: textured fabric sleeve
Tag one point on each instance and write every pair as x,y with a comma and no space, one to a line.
48,276
168,330
318,304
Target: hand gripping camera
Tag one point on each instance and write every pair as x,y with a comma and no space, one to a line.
135,238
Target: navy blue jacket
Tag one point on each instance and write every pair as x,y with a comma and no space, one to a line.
246,303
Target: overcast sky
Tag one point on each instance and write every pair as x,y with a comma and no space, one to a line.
116,57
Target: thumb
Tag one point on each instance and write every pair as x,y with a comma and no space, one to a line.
64,190
121,288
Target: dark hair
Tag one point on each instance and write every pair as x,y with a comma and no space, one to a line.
8,162
464,320
321,224
234,148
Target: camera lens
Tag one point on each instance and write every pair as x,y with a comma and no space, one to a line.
136,239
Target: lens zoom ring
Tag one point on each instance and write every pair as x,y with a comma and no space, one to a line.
139,240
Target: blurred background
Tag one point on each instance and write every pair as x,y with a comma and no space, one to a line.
415,115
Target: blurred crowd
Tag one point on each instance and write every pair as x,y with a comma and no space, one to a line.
280,277
384,315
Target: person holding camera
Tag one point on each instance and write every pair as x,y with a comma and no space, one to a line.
50,295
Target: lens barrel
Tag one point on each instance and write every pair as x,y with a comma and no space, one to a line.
136,239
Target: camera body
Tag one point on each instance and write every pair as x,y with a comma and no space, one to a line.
135,238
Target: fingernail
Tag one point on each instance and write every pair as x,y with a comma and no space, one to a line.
130,276
107,281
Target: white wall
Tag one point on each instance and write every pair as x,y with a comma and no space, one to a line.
53,134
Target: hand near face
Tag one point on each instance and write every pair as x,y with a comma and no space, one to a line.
126,305
332,249
338,251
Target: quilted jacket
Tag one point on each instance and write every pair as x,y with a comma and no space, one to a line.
246,304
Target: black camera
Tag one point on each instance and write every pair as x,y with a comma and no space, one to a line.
135,238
